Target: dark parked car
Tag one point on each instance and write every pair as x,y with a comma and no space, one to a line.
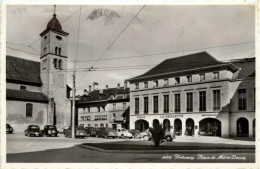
33,130
79,132
50,130
135,133
9,129
106,132
91,131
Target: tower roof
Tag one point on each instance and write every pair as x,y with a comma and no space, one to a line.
54,25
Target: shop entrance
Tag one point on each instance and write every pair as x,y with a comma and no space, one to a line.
189,127
210,127
166,125
177,127
156,123
242,127
141,125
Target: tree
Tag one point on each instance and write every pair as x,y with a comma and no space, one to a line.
157,133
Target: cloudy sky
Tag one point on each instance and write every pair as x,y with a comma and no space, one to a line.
156,33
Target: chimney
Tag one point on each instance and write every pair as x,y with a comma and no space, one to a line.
118,85
85,92
90,88
106,87
125,85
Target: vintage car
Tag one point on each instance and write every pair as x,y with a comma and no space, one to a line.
147,136
91,131
64,129
106,132
9,129
33,130
123,133
50,130
79,132
135,133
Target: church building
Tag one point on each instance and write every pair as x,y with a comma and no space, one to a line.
37,92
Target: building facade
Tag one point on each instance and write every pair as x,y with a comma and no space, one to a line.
196,95
37,92
103,107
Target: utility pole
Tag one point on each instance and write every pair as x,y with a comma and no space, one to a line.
73,101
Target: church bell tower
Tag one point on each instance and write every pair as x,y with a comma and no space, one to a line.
54,46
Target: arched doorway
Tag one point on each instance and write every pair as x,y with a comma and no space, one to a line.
141,125
166,125
156,123
177,127
189,127
254,128
242,127
210,127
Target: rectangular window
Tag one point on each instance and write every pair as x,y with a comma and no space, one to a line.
202,77
189,102
166,82
98,109
166,103
156,83
103,108
29,110
145,84
189,79
146,105
215,75
89,125
22,87
155,104
87,118
177,103
202,95
242,99
89,109
136,105
81,117
177,80
216,99
124,105
137,86
114,106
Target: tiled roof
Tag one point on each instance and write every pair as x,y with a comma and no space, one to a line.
184,63
24,95
103,95
247,67
22,71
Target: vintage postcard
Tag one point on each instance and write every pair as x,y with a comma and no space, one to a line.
129,85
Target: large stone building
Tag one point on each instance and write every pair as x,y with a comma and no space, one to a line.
37,92
103,107
196,95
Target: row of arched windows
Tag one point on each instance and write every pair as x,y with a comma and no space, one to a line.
58,64
57,51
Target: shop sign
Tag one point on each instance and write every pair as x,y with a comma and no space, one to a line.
171,116
209,114
140,117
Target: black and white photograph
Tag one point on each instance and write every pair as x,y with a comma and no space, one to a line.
129,84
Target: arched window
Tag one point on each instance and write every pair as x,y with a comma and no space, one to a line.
59,51
56,50
44,50
60,64
56,63
29,109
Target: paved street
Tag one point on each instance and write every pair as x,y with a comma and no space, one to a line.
61,149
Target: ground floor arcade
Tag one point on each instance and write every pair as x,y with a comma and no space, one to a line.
222,124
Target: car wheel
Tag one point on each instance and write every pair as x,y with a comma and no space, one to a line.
146,138
168,138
